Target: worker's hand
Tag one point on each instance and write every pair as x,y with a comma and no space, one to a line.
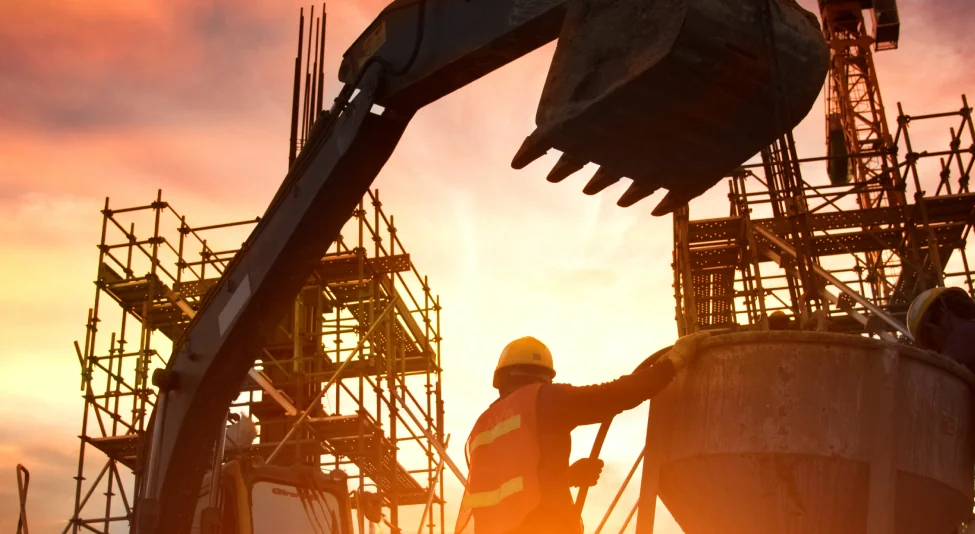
685,350
585,472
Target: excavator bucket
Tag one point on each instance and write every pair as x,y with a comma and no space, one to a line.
674,93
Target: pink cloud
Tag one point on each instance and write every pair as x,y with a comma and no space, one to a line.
157,62
194,98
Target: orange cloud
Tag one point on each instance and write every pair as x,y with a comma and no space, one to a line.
121,98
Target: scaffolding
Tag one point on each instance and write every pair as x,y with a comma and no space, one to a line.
849,254
380,419
803,249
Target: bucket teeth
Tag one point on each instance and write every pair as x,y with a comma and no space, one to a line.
669,203
532,149
565,167
635,193
601,180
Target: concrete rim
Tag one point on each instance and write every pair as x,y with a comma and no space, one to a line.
793,336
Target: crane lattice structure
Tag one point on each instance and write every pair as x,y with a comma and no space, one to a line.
889,220
378,419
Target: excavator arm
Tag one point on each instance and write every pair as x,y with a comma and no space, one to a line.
223,340
415,52
431,48
348,147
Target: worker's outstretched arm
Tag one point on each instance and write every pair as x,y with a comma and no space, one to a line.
571,406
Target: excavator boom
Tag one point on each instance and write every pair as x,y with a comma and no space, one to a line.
431,48
619,66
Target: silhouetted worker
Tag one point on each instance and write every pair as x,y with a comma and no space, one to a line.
813,318
519,448
816,320
943,320
778,320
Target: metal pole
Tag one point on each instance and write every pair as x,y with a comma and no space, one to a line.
218,452
211,516
629,517
306,125
431,492
261,379
691,323
331,381
321,67
296,96
433,441
619,493
392,348
835,281
312,113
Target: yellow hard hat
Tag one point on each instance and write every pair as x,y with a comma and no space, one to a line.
919,308
525,351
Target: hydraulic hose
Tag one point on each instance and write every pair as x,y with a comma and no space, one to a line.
597,445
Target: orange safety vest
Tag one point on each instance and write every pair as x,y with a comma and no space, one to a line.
502,487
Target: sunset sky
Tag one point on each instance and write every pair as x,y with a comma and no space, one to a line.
121,98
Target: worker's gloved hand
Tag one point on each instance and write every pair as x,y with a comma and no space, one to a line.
584,473
685,350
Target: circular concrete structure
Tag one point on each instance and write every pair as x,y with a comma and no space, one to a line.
806,432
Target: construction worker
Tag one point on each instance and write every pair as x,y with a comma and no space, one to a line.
519,448
943,320
778,320
815,321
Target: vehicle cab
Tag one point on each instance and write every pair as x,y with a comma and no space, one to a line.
255,498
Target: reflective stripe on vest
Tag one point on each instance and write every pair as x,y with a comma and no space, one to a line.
490,498
488,436
503,486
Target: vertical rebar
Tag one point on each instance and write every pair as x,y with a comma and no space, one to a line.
296,91
304,121
321,66
312,113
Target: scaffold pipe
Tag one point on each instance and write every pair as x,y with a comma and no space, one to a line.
860,299
331,381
